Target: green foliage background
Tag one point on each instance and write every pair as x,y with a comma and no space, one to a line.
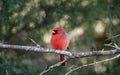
88,22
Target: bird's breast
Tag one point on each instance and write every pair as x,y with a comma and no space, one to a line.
60,43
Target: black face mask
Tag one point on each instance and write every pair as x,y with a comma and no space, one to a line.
55,32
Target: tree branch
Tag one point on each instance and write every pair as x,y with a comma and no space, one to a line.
34,48
52,66
86,65
67,53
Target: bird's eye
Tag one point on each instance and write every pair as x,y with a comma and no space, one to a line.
54,32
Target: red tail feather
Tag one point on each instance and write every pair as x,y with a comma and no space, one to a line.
62,57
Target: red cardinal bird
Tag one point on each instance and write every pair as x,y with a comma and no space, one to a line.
60,40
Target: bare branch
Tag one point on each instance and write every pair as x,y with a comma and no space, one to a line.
114,45
34,42
34,48
6,72
92,64
52,66
113,37
67,53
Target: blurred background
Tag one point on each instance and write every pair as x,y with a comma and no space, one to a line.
89,24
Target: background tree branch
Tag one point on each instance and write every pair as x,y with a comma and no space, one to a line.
86,65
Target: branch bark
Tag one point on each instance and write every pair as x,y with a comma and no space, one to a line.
86,65
52,66
67,53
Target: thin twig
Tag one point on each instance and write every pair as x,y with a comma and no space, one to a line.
34,42
113,37
92,64
114,45
94,58
6,72
52,66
